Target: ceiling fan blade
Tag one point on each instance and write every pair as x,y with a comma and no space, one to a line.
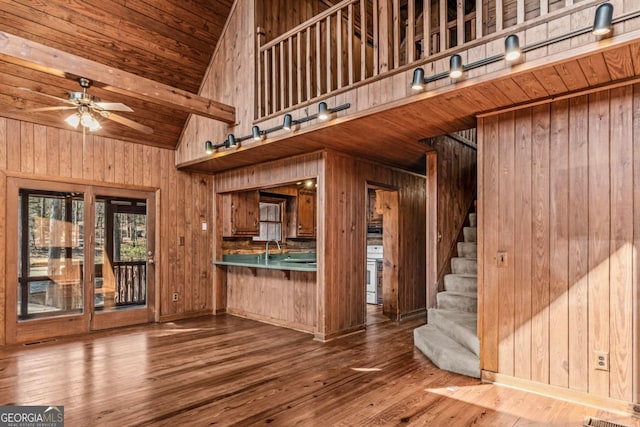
37,110
124,121
113,106
66,101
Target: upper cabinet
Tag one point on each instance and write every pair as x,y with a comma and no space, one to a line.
301,215
374,210
241,214
306,214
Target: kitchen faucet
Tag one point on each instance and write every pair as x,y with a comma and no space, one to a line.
266,251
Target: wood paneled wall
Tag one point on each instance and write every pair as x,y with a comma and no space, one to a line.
457,183
266,174
341,233
559,193
274,296
344,189
276,17
183,249
230,79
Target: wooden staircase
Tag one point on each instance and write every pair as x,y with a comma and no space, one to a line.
450,338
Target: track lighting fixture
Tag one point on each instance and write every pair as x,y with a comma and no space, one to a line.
455,67
231,139
512,48
602,25
256,134
287,123
418,79
323,112
603,18
208,147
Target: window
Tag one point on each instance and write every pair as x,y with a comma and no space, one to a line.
270,221
50,253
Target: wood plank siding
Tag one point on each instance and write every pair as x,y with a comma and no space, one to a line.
231,76
559,194
384,107
183,249
341,236
456,182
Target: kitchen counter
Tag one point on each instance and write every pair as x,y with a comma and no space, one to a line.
288,261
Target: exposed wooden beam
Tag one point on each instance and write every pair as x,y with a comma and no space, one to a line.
43,58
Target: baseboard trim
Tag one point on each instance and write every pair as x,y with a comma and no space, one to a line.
180,316
271,321
561,393
421,312
339,334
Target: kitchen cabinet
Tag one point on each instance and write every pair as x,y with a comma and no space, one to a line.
374,210
301,215
241,214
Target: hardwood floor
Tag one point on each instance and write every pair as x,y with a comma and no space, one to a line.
230,371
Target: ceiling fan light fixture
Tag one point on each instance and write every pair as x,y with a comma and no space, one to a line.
86,119
73,120
95,125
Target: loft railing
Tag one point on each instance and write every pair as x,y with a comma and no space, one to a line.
358,40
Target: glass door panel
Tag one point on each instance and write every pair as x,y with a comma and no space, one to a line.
50,254
121,253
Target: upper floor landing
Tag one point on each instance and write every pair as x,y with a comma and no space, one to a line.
361,56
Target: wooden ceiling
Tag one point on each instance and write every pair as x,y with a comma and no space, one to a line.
166,41
390,133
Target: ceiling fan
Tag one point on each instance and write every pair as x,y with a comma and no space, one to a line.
86,107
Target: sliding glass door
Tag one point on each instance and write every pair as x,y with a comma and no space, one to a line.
79,257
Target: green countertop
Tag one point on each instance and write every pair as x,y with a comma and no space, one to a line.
289,261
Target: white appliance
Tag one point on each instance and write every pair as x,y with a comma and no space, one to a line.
374,253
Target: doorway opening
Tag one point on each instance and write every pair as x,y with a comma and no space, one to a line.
382,239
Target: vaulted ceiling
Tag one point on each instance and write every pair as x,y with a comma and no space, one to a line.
166,41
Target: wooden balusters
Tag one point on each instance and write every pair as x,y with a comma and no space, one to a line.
355,40
520,11
460,22
318,61
339,50
395,19
479,20
426,29
283,75
308,64
443,24
411,25
376,36
363,40
299,67
328,53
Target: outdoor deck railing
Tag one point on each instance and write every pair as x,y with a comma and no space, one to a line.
130,282
358,40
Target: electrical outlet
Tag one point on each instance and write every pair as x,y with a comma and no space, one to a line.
501,259
602,360
175,296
